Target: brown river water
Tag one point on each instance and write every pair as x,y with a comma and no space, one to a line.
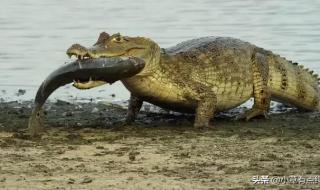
34,35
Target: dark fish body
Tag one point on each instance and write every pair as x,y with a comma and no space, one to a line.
105,69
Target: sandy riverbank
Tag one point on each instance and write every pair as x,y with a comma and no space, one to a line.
88,147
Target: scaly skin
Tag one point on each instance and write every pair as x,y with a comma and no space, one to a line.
208,75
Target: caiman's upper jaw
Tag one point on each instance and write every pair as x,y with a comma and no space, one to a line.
81,52
78,51
86,56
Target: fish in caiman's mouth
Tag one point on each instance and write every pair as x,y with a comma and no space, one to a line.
81,53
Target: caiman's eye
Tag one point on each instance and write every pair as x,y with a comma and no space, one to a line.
118,39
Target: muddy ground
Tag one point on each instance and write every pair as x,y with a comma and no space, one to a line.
87,146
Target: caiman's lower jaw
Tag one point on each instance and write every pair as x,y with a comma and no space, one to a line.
87,84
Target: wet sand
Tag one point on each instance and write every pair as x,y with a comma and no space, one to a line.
87,146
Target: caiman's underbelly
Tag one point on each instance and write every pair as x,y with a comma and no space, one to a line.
169,96
160,93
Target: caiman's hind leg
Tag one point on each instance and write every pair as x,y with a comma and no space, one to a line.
135,105
261,92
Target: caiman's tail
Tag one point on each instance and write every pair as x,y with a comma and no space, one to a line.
291,83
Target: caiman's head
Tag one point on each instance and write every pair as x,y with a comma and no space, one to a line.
117,45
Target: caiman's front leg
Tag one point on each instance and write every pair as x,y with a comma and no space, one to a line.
206,104
135,105
261,92
204,112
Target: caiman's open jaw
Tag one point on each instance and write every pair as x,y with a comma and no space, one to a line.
95,52
81,52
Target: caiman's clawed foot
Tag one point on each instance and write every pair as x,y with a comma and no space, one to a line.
202,125
129,120
252,113
134,107
119,124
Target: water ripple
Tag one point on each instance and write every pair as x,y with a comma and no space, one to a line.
35,34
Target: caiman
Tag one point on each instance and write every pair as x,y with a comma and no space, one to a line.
207,75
